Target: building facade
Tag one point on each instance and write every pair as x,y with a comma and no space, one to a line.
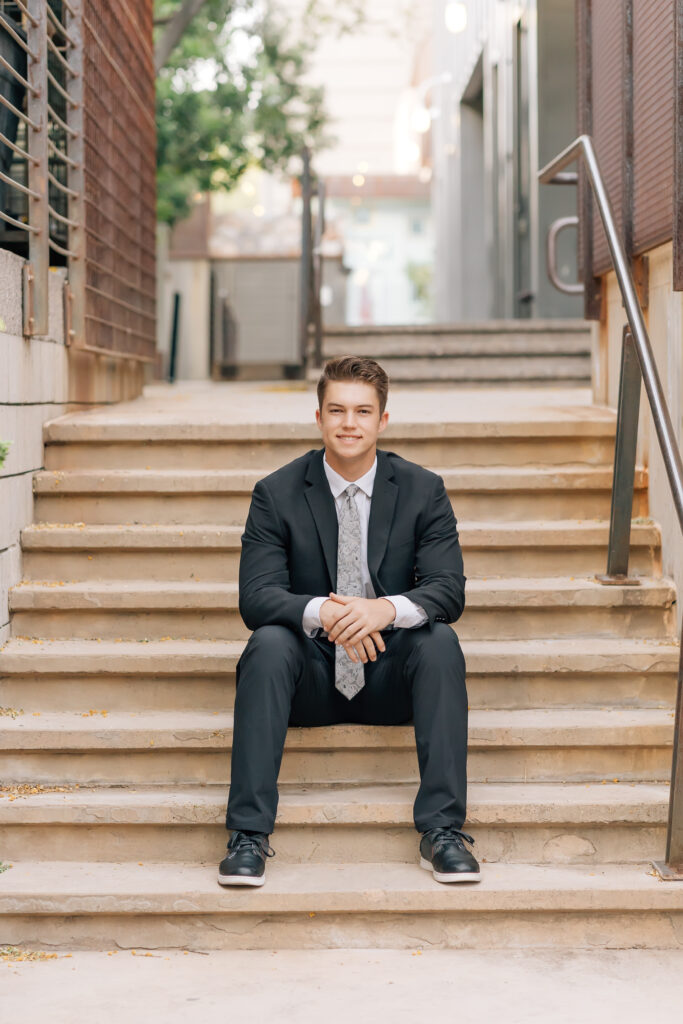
503,101
77,228
630,80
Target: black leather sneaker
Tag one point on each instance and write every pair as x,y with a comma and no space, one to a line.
245,863
443,852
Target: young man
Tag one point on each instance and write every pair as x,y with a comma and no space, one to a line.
350,572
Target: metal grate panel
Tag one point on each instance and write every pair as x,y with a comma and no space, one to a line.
119,176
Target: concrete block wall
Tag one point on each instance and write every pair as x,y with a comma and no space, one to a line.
40,379
34,387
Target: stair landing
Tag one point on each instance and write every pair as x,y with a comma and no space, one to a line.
117,689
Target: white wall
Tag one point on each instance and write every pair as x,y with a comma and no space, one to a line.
381,239
365,75
191,278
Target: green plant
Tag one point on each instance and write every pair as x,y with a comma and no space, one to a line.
4,449
232,94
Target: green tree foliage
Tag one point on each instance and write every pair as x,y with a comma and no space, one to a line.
232,94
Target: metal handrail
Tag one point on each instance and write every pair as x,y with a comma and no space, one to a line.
551,256
583,146
636,343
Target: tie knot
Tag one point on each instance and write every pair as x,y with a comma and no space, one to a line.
351,490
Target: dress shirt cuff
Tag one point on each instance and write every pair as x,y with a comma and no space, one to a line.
310,622
408,614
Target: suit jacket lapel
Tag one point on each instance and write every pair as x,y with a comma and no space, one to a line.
384,495
320,500
319,497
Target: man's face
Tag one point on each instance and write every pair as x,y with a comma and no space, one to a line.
350,421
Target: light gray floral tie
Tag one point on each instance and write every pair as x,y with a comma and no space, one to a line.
349,676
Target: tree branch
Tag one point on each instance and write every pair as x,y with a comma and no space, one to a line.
174,30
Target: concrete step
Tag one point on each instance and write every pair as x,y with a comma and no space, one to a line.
77,675
470,353
130,437
223,496
513,823
102,747
537,335
537,548
486,368
82,905
496,610
540,439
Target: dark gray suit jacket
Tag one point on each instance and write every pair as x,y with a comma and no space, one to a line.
289,544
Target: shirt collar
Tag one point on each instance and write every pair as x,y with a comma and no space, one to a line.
338,484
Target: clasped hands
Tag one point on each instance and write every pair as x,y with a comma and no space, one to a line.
355,622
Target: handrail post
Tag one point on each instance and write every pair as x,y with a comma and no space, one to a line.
626,441
671,869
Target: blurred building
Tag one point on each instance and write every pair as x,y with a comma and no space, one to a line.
502,101
378,245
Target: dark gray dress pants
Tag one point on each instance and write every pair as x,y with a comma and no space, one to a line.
285,678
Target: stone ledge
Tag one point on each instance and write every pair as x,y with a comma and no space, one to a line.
152,731
474,419
538,325
482,594
180,889
168,658
533,533
477,478
501,804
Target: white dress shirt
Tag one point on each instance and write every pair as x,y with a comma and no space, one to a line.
408,614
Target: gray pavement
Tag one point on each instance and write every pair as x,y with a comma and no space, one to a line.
358,985
295,402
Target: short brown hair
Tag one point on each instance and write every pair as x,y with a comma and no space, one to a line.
355,368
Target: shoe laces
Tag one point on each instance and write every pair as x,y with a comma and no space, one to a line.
448,834
258,843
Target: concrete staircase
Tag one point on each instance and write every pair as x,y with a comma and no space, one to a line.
494,352
118,684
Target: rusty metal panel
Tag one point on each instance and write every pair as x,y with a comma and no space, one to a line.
592,291
678,151
24,151
584,127
119,177
653,122
608,55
